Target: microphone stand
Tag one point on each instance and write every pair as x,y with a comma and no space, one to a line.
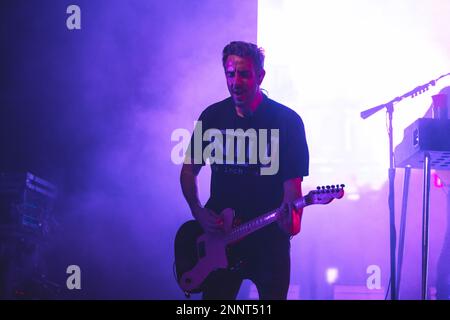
391,172
391,176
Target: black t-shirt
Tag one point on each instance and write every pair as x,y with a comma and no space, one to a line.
249,180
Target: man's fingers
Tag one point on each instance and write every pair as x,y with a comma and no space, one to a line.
287,212
213,222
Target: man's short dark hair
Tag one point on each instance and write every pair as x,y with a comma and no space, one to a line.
243,50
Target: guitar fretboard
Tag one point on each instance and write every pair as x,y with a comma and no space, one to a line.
247,228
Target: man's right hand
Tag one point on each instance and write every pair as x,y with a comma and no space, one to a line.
209,220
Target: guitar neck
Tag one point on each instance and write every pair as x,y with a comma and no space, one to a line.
249,227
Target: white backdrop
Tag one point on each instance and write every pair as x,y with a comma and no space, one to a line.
329,60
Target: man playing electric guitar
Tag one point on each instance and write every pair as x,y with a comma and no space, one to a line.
271,139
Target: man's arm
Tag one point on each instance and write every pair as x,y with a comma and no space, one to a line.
291,221
189,185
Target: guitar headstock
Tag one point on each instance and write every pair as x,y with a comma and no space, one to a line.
325,194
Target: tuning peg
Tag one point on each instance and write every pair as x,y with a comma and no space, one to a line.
342,186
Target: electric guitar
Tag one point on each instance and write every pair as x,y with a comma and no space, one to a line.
197,253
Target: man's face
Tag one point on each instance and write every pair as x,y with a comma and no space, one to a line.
242,79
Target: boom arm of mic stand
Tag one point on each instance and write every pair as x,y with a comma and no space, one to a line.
416,91
367,113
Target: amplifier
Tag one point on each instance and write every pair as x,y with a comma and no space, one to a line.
26,202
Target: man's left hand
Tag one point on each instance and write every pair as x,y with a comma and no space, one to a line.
289,220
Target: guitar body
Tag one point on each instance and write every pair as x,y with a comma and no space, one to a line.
197,253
